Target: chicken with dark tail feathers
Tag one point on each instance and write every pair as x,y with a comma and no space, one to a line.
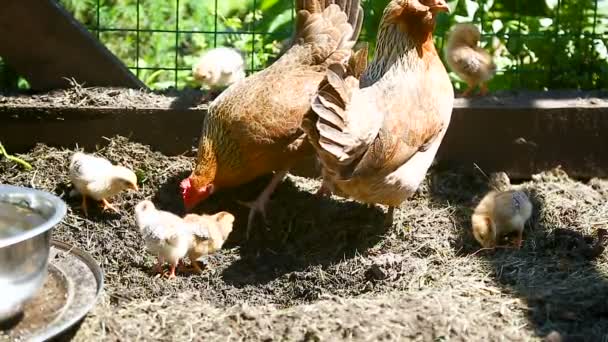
254,127
377,136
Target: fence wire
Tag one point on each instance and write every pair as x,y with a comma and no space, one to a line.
544,44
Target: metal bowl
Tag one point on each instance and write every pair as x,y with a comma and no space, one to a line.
24,256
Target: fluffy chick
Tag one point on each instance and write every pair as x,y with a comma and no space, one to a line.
470,62
166,235
498,214
97,178
219,68
210,233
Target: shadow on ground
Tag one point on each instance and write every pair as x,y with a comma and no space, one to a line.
554,273
302,230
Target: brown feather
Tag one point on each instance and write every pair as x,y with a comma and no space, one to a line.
365,131
254,127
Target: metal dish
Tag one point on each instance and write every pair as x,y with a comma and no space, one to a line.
71,290
24,255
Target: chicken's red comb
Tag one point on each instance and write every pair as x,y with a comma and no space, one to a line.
185,185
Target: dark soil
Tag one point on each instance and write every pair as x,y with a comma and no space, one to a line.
78,97
326,269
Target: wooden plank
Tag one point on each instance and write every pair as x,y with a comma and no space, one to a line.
45,44
21,128
519,135
524,140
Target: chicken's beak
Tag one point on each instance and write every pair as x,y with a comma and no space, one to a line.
134,187
439,6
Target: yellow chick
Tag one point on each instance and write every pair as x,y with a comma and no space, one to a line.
470,62
97,178
219,68
166,235
209,236
498,214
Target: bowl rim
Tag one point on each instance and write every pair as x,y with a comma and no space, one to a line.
58,215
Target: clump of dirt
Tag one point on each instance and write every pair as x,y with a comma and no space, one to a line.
327,267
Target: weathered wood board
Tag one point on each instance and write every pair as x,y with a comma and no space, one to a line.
46,45
520,134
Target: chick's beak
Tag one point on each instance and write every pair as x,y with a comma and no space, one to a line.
134,187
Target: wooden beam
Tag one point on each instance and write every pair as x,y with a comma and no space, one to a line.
46,45
526,133
520,134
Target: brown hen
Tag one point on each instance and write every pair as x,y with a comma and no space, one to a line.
253,127
377,137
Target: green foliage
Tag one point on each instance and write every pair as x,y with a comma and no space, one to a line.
544,44
255,32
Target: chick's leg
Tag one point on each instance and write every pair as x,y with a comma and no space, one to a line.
158,268
323,190
259,205
483,89
390,214
196,268
172,270
107,205
467,92
84,205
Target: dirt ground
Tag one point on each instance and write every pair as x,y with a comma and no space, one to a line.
78,97
326,269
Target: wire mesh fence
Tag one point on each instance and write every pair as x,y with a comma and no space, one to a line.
544,44
160,40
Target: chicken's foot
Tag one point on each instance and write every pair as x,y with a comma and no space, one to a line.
259,205
388,219
107,205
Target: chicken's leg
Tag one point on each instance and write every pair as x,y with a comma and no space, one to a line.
259,205
84,205
519,239
388,220
107,205
323,190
